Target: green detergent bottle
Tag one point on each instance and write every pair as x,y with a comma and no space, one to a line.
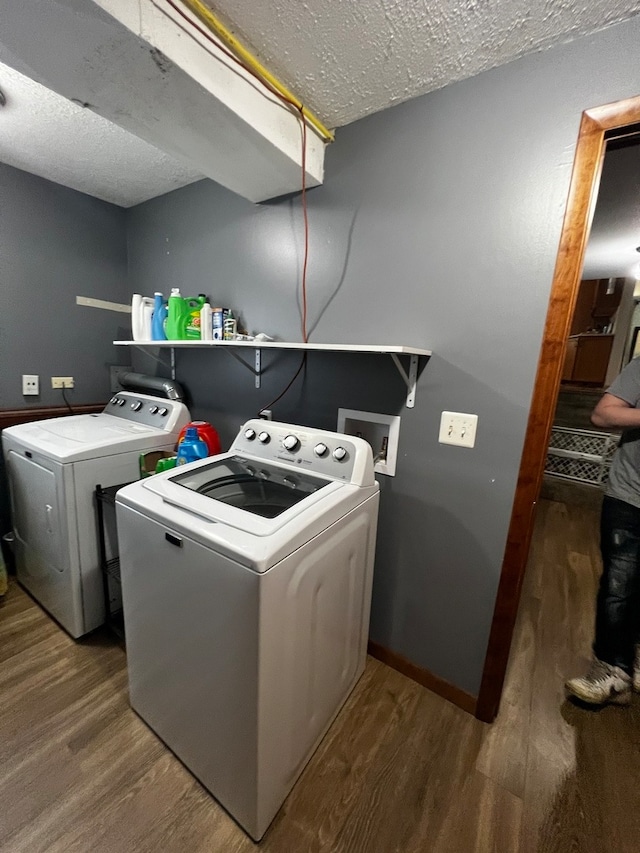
194,306
177,316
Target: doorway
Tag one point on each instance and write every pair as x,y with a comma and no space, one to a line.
596,127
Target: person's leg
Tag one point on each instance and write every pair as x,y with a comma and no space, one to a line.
617,608
619,591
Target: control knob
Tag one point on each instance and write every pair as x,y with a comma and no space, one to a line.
263,437
163,412
136,406
320,449
121,401
153,410
250,434
291,442
339,454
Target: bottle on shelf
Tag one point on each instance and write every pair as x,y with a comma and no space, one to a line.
194,306
206,322
141,313
177,316
158,321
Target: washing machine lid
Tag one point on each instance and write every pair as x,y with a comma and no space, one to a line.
79,437
261,489
242,494
237,525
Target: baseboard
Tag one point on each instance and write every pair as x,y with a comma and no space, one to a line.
424,677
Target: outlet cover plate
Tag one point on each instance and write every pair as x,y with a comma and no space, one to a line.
62,382
30,384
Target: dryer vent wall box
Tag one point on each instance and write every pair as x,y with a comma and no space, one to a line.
381,431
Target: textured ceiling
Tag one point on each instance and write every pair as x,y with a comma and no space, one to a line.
47,135
344,58
348,58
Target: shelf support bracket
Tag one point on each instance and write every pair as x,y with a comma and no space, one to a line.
257,362
410,380
145,348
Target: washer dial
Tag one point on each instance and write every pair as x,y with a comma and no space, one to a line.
291,442
339,454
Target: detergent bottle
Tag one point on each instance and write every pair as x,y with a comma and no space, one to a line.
177,316
141,312
194,305
191,448
159,318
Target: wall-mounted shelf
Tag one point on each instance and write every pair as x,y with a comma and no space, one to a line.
409,378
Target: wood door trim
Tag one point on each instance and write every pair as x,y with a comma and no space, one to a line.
11,417
583,188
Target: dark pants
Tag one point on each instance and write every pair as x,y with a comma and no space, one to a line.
618,604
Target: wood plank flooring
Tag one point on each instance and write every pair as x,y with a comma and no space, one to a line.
401,770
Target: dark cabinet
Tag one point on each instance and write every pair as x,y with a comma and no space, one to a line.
587,359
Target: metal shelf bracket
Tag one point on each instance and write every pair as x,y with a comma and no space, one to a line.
410,380
257,364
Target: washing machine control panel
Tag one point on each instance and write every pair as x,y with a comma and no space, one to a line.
318,451
146,410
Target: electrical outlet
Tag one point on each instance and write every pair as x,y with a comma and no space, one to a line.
62,382
458,428
265,414
30,384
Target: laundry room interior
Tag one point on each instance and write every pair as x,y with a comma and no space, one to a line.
407,265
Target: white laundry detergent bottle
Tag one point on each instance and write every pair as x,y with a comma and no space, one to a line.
141,314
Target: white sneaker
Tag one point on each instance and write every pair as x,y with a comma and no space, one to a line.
636,670
603,684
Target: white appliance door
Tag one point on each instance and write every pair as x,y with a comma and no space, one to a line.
191,622
46,546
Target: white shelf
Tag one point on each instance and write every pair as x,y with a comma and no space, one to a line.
394,351
372,348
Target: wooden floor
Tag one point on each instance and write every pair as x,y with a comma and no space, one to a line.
400,771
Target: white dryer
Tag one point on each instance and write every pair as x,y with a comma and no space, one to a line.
53,467
246,583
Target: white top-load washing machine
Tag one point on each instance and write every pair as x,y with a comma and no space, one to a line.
53,468
246,584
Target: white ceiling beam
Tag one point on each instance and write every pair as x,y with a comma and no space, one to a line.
137,64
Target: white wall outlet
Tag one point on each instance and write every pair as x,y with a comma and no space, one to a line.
62,382
381,431
265,414
30,384
458,428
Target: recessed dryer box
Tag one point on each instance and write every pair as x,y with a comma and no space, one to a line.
381,431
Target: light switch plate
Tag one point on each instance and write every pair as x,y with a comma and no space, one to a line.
458,428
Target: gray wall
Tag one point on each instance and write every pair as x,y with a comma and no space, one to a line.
437,226
56,244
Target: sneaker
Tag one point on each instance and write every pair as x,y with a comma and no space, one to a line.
636,669
603,684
